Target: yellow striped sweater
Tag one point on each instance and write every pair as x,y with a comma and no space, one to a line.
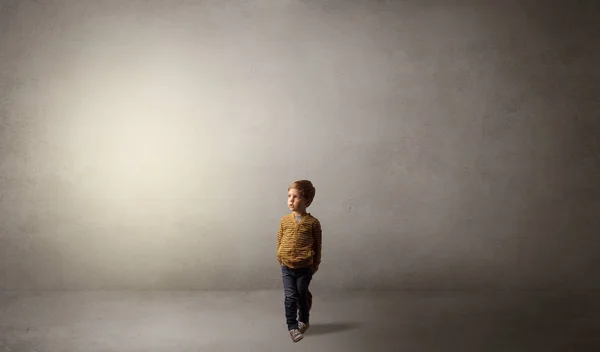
299,243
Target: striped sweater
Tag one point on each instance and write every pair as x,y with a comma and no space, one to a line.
299,243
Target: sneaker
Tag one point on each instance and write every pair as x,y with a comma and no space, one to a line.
303,327
296,335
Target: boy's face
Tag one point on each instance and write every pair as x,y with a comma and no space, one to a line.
295,201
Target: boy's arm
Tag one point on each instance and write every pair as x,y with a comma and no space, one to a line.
279,236
317,246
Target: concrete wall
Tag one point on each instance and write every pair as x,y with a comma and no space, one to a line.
149,144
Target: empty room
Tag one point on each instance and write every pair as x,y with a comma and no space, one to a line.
299,175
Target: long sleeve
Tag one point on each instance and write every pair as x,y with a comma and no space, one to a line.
279,236
317,245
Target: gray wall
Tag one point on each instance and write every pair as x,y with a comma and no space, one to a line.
453,144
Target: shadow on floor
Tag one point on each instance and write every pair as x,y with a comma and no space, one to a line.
328,328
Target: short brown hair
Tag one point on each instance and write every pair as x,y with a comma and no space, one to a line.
305,188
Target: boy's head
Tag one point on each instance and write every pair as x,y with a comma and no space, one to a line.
300,195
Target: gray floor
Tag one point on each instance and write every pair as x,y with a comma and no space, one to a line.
254,321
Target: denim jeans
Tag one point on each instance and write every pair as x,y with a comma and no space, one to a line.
295,286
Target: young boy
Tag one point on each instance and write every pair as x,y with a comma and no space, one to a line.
299,255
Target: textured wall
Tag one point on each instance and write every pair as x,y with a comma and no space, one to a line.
453,144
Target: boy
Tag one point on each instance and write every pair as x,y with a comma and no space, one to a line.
299,255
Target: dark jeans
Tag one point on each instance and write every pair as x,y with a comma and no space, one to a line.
295,286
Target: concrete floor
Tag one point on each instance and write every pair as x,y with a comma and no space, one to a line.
254,321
